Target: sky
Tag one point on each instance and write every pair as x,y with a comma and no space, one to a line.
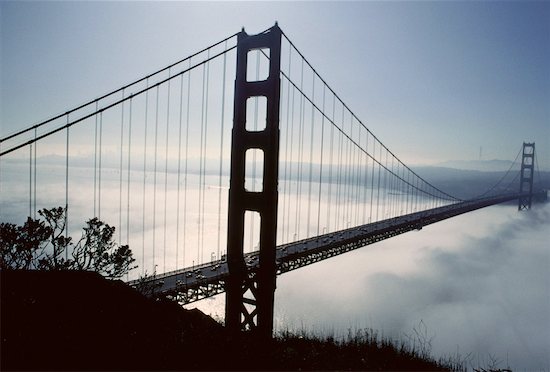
434,81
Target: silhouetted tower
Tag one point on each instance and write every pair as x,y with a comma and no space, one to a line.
526,180
250,294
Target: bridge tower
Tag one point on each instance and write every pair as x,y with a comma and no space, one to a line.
250,295
526,180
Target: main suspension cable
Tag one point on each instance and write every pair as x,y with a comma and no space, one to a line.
356,118
147,77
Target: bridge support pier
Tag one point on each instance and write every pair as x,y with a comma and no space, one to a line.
250,295
526,177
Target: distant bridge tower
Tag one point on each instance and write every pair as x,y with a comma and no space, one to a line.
526,180
250,295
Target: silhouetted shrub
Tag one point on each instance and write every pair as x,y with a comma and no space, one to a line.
41,244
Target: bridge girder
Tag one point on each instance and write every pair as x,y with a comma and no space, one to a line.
184,287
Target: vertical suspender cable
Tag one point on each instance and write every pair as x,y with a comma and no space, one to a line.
372,178
358,179
120,171
205,147
405,192
310,180
357,176
34,179
411,188
397,204
330,162
345,172
300,152
30,180
290,177
395,184
397,207
200,167
416,195
399,210
179,176
387,180
400,188
0,173
298,169
321,161
352,175
388,194
408,191
128,180
391,191
128,176
204,118
185,168
99,161
204,153
144,178
287,180
95,160
426,197
155,177
283,126
365,188
218,246
348,174
378,187
351,179
166,172
339,183
406,188
67,189
186,158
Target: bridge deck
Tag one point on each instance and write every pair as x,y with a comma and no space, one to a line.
198,282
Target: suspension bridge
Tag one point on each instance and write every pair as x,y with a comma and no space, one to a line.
226,169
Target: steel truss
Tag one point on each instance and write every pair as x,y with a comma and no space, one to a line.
187,285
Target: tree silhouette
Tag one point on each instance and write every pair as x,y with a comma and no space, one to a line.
40,244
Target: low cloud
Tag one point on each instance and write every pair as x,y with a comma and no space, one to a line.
480,283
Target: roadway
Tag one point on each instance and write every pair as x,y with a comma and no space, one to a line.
198,282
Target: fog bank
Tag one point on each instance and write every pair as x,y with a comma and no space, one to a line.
479,282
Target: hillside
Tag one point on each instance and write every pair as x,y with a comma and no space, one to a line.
80,321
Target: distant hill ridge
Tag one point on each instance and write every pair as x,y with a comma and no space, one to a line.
494,165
